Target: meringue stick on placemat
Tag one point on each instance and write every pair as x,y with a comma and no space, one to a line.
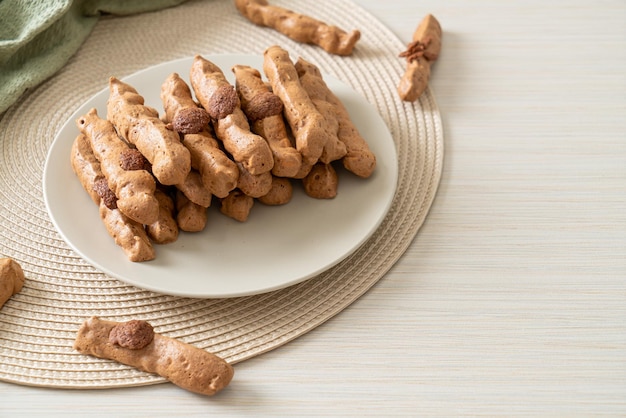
134,343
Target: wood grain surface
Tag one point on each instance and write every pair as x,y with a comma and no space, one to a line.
511,301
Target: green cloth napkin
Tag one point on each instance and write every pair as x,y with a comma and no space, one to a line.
37,37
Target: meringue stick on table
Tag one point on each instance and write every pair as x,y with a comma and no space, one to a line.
420,54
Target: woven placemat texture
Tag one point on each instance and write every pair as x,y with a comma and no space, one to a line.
38,325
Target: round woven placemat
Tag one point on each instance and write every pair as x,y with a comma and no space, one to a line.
38,325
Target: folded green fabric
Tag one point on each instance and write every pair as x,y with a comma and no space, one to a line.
37,37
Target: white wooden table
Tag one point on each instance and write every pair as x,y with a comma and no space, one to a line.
512,298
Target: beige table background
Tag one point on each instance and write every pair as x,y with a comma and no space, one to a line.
512,298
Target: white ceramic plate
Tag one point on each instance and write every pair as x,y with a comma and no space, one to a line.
275,248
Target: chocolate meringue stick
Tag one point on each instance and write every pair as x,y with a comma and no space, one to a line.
135,344
11,279
220,100
299,27
420,55
127,233
140,125
219,173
